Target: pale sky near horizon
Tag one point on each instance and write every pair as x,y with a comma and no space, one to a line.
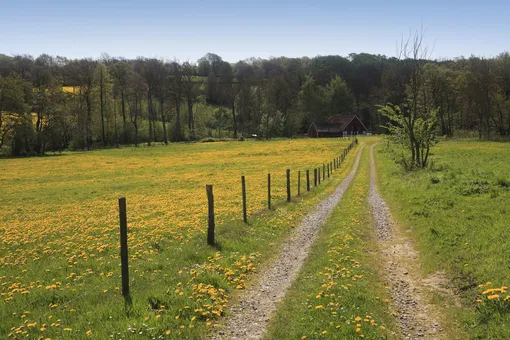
237,30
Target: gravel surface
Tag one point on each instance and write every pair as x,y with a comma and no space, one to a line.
416,317
249,318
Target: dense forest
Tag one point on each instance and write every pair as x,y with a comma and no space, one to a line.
54,103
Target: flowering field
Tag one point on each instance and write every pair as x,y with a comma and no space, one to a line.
458,214
59,256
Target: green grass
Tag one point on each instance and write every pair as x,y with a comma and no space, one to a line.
458,215
338,293
59,256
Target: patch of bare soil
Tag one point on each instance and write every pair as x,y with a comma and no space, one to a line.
417,317
249,318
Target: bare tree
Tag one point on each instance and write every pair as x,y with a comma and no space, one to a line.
189,87
413,124
176,90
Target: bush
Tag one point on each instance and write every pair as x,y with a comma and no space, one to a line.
503,182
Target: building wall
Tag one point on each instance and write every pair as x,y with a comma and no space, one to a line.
312,133
355,126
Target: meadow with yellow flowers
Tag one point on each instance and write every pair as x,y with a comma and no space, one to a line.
59,250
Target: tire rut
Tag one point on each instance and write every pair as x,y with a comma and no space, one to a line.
250,317
417,318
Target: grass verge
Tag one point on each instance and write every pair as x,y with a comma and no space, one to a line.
457,214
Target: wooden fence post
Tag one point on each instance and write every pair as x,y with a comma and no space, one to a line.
210,203
314,177
243,182
328,169
307,180
323,172
124,246
288,185
299,183
269,191
319,174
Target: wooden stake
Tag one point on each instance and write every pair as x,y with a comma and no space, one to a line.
288,185
299,183
307,180
124,246
269,191
210,202
243,182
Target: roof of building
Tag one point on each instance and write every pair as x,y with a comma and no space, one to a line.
336,123
326,127
341,120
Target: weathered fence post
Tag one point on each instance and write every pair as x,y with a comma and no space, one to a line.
307,180
269,191
323,172
243,182
328,169
314,177
210,202
288,185
299,183
319,174
124,246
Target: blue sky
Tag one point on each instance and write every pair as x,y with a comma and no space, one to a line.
236,30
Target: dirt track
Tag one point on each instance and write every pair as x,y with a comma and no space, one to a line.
416,317
250,317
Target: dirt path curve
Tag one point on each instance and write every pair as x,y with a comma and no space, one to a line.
250,317
416,317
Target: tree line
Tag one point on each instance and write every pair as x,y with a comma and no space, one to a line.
53,103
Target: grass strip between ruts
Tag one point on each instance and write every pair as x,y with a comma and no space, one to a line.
338,293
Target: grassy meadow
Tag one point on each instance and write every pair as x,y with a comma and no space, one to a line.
458,214
338,293
59,250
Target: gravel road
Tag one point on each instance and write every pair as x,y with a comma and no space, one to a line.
249,318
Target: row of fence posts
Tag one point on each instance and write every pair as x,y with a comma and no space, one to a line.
333,165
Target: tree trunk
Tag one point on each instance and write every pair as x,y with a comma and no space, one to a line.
88,127
115,122
178,119
165,137
101,89
234,119
149,110
191,120
123,104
